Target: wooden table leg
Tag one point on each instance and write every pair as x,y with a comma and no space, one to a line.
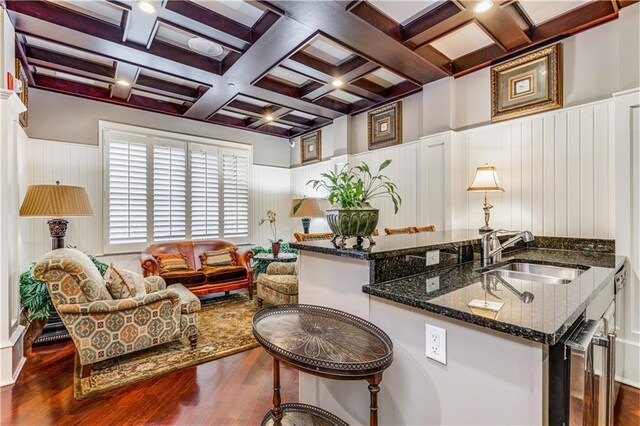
374,388
277,408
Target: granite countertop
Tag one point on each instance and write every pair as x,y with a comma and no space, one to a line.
394,245
543,318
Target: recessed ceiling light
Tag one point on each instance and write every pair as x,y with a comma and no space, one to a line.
205,47
124,83
336,83
268,118
483,6
147,7
231,84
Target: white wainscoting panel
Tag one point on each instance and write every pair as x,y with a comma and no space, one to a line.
270,190
46,162
556,169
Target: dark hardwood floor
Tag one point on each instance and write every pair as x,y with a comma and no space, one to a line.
235,390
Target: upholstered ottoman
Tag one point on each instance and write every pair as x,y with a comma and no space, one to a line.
279,284
189,307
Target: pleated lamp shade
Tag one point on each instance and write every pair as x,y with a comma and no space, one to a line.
55,201
310,207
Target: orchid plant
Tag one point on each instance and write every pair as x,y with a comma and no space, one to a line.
271,219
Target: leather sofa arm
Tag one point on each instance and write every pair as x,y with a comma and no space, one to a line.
244,260
107,306
149,265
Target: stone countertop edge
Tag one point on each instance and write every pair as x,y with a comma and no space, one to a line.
511,329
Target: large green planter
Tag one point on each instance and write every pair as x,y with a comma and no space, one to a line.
348,223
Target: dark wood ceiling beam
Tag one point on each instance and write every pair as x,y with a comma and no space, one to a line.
20,54
263,24
163,57
333,104
330,19
55,58
308,65
209,18
591,14
275,115
245,108
167,88
275,85
498,22
101,94
226,120
294,120
369,14
434,56
392,93
434,17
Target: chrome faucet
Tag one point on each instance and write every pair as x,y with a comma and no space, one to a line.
492,249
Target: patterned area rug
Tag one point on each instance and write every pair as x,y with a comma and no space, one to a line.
225,329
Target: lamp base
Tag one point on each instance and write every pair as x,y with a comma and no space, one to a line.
485,229
57,230
306,222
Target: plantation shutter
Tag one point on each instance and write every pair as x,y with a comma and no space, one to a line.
169,191
205,191
235,172
127,191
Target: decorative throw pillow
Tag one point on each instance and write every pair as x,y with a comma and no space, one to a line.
171,262
123,284
224,257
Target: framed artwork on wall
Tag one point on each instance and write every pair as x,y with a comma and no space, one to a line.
311,147
384,126
21,75
527,85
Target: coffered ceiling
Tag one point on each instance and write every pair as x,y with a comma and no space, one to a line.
280,67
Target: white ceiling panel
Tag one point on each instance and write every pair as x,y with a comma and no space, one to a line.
180,38
284,126
302,115
384,78
232,114
101,10
69,51
252,101
328,51
462,41
169,78
288,76
344,96
156,96
405,11
543,10
237,10
71,77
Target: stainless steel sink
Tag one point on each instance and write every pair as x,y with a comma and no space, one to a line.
539,273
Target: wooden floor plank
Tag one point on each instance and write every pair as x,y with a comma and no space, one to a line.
235,390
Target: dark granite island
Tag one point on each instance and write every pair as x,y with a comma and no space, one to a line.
496,370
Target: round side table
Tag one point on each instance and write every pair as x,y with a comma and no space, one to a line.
324,342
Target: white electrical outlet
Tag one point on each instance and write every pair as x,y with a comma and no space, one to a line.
433,284
433,257
436,343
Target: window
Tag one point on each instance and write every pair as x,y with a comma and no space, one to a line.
205,192
236,194
127,191
160,189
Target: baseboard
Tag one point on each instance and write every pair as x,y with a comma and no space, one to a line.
631,368
12,350
628,382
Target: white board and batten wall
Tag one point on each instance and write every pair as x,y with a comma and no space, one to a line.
46,161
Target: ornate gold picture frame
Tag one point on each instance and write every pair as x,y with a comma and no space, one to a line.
311,147
385,126
527,85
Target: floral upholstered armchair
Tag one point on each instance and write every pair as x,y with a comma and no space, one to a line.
279,285
104,327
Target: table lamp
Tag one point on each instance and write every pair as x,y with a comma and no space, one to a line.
309,207
56,201
486,180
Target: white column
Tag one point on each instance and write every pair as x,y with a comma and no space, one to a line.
11,359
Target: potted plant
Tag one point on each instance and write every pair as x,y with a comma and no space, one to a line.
275,242
36,307
350,192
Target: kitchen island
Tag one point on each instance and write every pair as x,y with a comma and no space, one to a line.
496,369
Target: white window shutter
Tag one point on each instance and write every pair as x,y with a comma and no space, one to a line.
127,192
169,192
205,192
235,172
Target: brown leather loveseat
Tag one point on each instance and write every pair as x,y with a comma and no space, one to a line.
198,279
